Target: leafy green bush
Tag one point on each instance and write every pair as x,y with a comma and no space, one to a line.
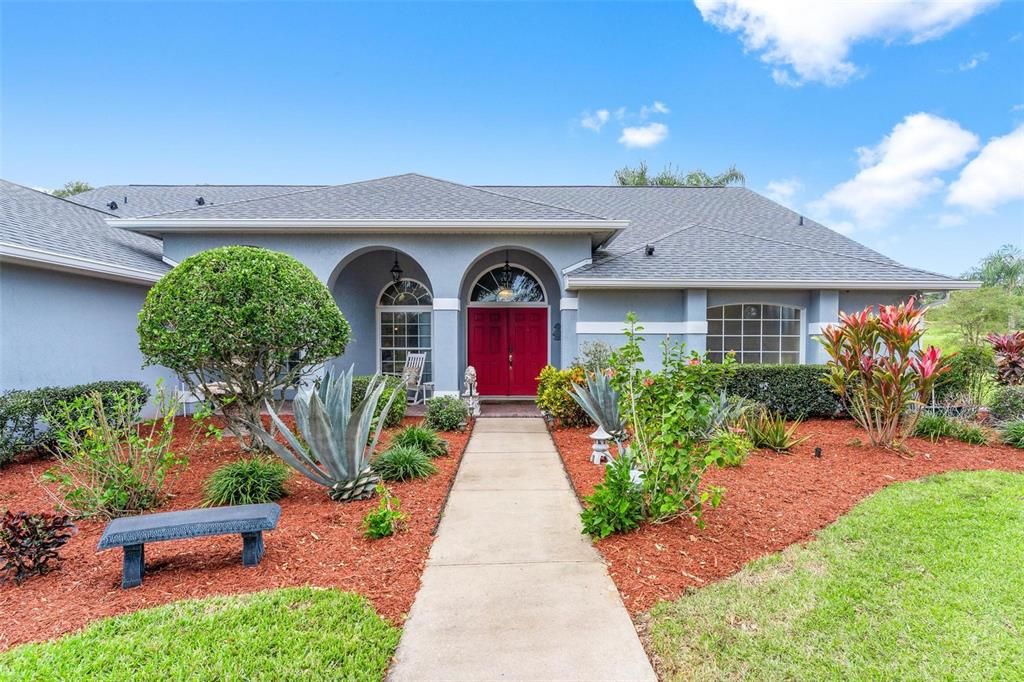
253,480
397,411
387,518
423,439
972,369
1013,434
108,465
241,325
23,413
767,429
794,391
30,542
974,434
733,448
403,463
616,505
934,426
553,397
595,356
1007,403
446,413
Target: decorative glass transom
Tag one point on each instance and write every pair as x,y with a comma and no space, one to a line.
514,286
406,292
757,332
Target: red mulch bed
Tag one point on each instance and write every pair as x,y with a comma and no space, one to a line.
317,542
772,501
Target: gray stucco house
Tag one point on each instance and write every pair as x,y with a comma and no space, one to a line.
506,278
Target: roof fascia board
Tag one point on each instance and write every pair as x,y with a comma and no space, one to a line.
49,260
354,225
612,283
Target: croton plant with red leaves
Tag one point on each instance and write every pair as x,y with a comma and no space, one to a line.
879,371
1009,350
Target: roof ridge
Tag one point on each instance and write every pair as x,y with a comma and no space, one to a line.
64,199
828,251
623,186
480,188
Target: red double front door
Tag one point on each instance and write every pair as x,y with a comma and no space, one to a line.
508,347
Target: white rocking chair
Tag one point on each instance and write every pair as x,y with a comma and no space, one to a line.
412,375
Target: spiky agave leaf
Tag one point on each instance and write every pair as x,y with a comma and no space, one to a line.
601,403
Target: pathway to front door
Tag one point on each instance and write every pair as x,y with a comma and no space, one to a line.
508,346
512,589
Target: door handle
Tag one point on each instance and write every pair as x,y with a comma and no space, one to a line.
510,358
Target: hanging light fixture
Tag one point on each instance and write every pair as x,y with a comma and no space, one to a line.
396,271
505,293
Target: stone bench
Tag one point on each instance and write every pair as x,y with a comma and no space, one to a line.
133,532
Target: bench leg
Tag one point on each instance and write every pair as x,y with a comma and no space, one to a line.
252,548
134,566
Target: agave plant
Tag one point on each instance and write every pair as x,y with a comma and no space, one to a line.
601,403
339,435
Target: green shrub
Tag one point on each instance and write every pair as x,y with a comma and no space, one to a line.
253,480
23,413
423,439
403,463
108,465
616,505
1008,403
387,518
971,372
1013,433
794,391
554,399
446,413
974,434
595,356
767,429
255,321
934,426
397,411
732,448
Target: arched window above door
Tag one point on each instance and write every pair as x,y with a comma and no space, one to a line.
507,284
405,292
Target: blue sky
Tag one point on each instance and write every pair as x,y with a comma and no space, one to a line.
901,125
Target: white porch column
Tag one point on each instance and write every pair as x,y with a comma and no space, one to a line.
445,350
568,313
822,311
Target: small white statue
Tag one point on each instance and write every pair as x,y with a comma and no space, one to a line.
469,395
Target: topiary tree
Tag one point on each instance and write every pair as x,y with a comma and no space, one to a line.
241,325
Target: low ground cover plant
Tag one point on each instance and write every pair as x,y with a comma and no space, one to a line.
109,465
905,560
934,426
794,391
387,519
554,396
403,463
879,371
616,505
337,441
30,543
769,430
446,413
1012,433
23,413
424,439
396,413
299,633
251,480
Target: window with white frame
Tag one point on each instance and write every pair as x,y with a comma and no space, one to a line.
756,332
404,320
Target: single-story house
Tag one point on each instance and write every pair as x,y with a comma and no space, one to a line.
504,278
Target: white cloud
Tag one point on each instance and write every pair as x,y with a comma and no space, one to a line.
974,61
782,191
810,40
595,121
1017,107
656,108
993,177
951,220
643,136
902,169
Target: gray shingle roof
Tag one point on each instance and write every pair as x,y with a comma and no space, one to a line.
400,197
33,219
149,199
717,233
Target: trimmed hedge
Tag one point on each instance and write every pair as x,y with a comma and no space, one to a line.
397,412
795,391
23,413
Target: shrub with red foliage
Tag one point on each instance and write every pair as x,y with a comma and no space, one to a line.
30,543
1009,349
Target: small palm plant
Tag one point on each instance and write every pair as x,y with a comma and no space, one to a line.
338,434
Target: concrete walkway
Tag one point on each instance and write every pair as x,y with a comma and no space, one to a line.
512,589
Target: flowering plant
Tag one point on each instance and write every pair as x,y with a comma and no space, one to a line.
879,371
1009,350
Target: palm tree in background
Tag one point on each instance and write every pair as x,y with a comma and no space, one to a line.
673,177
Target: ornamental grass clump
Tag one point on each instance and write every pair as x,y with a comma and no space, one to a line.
767,429
403,463
423,439
879,372
1013,434
253,480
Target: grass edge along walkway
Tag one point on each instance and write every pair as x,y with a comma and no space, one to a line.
295,634
922,580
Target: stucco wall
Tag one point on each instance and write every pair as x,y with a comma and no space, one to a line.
60,329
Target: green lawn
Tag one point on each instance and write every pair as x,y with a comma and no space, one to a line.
292,634
923,580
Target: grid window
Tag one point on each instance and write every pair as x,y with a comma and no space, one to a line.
405,318
757,333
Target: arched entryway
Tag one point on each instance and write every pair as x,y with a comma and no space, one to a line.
508,323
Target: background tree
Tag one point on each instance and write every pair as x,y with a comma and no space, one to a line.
977,312
241,325
72,188
1001,268
673,177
